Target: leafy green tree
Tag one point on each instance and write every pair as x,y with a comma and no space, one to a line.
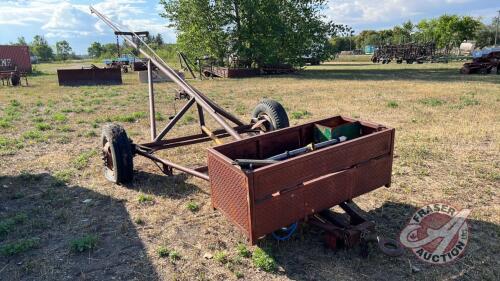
367,37
63,50
21,41
158,40
448,29
41,49
485,35
95,50
341,43
259,32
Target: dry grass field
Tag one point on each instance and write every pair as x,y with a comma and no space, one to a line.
61,220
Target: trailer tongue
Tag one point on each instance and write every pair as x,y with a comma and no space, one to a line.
293,176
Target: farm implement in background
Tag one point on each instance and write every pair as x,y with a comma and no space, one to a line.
310,168
485,61
408,53
129,61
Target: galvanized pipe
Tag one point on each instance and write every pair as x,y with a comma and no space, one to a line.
152,113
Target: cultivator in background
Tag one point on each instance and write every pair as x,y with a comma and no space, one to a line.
411,52
485,61
271,178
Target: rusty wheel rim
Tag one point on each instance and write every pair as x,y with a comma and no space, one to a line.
107,157
266,126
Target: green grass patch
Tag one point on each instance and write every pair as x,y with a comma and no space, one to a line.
243,251
12,113
432,102
174,255
64,176
59,117
5,123
188,118
163,252
34,135
159,116
19,246
139,221
392,104
7,225
83,159
38,119
90,134
65,129
84,243
130,118
469,100
11,148
221,257
145,198
239,274
193,206
43,126
299,114
15,103
263,261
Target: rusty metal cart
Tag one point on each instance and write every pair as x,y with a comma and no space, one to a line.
266,198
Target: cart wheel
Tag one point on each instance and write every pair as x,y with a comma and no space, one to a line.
117,154
15,80
272,112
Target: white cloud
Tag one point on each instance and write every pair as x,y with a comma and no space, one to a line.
26,12
68,21
386,12
65,19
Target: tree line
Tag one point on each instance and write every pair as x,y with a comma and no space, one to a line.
40,48
254,32
110,50
446,31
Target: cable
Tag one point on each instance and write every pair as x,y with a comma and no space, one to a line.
288,230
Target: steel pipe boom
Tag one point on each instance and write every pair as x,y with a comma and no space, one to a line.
200,99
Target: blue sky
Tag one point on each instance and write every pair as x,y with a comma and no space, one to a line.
71,19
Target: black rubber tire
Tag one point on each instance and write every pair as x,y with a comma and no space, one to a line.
15,80
121,152
275,113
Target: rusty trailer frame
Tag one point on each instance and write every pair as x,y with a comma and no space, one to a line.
194,97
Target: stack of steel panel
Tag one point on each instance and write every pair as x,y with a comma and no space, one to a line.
89,76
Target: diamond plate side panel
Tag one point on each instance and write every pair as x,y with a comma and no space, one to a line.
229,191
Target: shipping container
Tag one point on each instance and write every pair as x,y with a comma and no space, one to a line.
15,56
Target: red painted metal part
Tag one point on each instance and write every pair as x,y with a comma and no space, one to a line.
483,65
263,200
15,56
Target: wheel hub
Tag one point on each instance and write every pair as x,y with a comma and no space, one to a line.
107,157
